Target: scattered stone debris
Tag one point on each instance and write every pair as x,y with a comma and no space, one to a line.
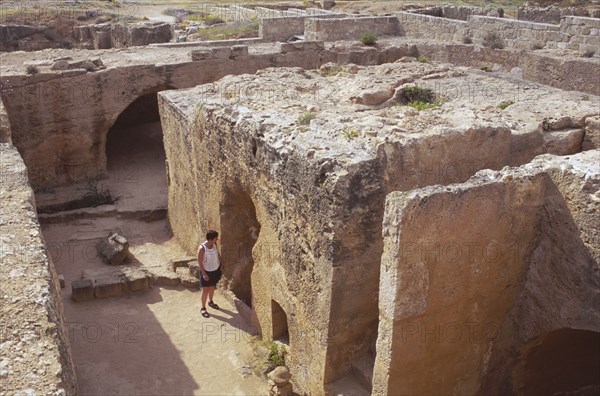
279,382
82,290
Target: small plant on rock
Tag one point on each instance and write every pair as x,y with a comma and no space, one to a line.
493,41
504,104
546,124
420,105
306,118
487,69
467,40
368,39
414,93
585,98
422,59
97,195
31,69
276,355
350,134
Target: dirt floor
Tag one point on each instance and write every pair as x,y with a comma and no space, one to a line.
153,342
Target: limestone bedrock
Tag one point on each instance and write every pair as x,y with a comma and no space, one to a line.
293,167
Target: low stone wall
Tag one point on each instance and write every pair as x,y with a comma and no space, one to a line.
280,29
268,13
574,33
553,14
35,355
209,43
333,29
513,33
110,35
283,28
23,38
570,74
430,27
459,12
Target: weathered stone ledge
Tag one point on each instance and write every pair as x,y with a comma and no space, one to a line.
35,354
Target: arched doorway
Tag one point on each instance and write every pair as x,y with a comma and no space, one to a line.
565,360
280,323
135,156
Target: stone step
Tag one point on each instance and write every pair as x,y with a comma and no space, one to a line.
147,215
110,282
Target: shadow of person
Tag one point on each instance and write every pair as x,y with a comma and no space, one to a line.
235,320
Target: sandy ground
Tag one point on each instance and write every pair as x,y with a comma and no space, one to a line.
153,342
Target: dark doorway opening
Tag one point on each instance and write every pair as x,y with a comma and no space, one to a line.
565,360
135,156
240,230
280,323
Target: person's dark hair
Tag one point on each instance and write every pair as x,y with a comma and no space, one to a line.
211,234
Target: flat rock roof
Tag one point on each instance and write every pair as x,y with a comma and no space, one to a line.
347,111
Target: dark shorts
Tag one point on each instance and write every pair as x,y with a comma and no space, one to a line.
213,278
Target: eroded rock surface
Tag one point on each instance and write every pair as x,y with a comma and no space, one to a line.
477,275
34,348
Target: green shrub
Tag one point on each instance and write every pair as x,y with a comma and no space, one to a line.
414,93
276,355
420,105
504,104
422,59
305,118
467,40
368,38
31,69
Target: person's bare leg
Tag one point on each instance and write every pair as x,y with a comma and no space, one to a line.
211,293
205,291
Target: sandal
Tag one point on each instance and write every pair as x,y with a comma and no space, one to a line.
204,313
213,305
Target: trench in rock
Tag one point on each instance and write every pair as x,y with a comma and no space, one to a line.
162,324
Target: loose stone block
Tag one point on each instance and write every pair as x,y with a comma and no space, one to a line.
302,46
136,279
82,290
114,249
221,52
60,65
108,287
564,142
166,278
183,262
199,55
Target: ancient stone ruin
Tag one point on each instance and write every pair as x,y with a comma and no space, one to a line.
418,216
